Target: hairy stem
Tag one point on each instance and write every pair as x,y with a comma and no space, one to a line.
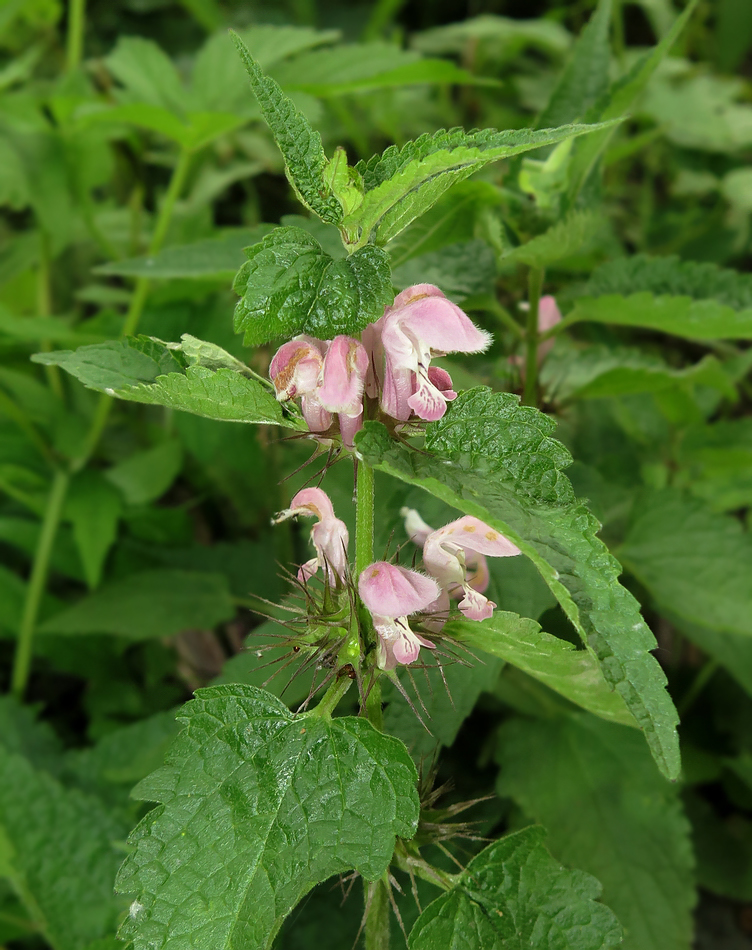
75,42
363,517
37,581
44,309
535,283
377,921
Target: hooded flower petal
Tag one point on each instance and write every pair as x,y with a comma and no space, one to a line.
343,376
388,590
420,324
456,556
329,535
296,366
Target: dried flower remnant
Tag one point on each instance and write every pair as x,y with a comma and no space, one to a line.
329,535
392,593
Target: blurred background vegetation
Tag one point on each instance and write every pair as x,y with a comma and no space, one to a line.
135,167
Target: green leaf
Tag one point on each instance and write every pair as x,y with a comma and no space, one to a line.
146,73
146,476
515,895
148,605
573,673
363,67
598,371
215,258
115,364
716,463
305,161
452,219
695,563
617,102
463,270
94,507
142,369
609,812
562,240
671,276
289,285
585,77
259,805
58,849
681,316
403,183
496,460
723,849
21,733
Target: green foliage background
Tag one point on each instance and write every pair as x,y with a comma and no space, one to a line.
136,166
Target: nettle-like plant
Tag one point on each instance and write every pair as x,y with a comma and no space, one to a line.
258,804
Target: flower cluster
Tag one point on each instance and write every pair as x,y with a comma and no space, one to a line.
454,560
391,366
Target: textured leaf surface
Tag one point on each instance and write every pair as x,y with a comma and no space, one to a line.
259,805
695,563
193,376
681,316
148,604
462,270
514,895
497,461
289,285
562,239
116,363
608,811
575,674
585,77
59,850
403,183
671,276
305,161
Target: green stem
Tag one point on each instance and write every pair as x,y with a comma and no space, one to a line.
535,284
37,582
363,517
377,922
506,319
332,697
75,46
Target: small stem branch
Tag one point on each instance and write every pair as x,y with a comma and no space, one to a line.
535,284
697,686
506,319
75,44
378,922
37,582
332,697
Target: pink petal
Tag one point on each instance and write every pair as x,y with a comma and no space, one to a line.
442,325
392,591
416,528
427,402
442,381
343,376
312,501
548,313
371,338
349,425
472,534
475,606
331,538
295,367
317,418
399,385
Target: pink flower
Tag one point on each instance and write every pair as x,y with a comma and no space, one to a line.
341,384
392,593
330,536
295,371
548,316
420,325
456,556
